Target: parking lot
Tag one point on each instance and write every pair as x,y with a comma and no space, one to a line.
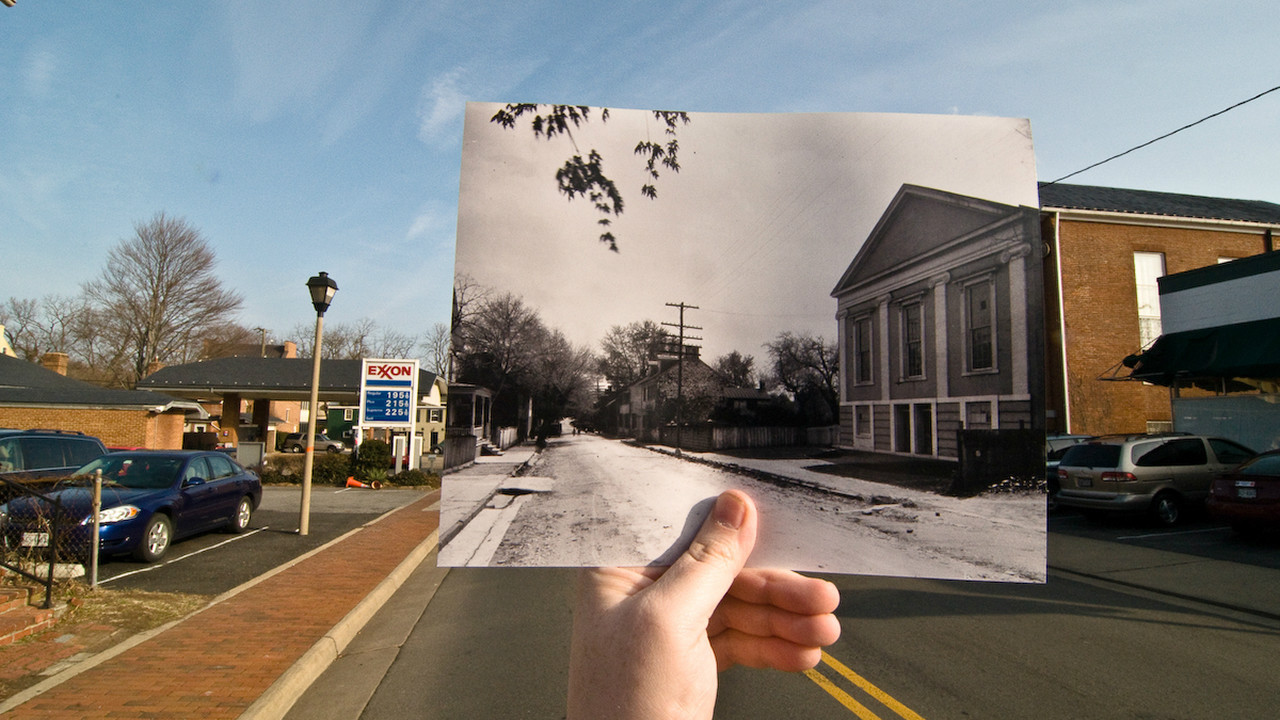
1197,536
213,563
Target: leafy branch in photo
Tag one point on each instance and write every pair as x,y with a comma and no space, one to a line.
587,178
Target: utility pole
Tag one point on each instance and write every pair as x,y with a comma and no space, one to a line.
680,365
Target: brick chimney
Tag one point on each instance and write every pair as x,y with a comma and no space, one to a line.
55,361
290,349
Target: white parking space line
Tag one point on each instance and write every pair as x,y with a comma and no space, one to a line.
180,558
1171,534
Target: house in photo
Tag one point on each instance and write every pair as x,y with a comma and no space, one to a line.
652,401
1105,249
42,396
940,325
1219,352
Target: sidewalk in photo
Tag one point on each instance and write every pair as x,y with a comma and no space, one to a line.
254,650
471,488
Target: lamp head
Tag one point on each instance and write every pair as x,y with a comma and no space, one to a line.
322,288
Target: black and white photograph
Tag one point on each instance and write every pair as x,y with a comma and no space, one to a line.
840,314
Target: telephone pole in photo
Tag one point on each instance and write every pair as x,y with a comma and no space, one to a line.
680,355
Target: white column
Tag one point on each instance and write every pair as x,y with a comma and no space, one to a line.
940,339
1015,258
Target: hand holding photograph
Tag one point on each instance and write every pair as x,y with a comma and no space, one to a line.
839,314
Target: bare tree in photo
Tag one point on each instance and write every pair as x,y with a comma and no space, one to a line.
563,378
501,342
738,370
158,290
809,368
628,350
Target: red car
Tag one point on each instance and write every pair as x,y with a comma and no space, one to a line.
1248,497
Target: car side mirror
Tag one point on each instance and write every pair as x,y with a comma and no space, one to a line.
192,482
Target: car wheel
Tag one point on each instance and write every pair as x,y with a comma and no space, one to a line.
156,538
1166,509
334,450
239,522
296,448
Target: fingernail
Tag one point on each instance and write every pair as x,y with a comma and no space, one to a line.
730,511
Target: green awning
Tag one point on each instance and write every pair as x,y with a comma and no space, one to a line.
1249,350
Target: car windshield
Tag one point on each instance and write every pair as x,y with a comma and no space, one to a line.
1092,455
1262,465
135,471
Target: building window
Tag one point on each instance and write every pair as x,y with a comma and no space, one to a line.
979,322
862,421
860,350
348,414
1148,267
912,341
977,416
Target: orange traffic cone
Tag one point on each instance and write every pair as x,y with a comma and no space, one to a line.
354,483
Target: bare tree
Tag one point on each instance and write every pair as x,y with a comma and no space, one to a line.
21,320
158,291
435,349
362,338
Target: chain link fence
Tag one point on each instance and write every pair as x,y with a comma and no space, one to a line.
40,539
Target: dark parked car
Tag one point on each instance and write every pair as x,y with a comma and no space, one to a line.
297,442
1249,497
1055,446
32,454
149,499
1159,474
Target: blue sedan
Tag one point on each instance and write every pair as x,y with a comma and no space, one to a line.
149,499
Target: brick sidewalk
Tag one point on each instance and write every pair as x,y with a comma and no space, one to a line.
216,663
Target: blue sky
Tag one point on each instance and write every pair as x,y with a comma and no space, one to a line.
326,135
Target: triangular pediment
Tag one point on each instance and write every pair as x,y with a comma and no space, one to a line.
918,224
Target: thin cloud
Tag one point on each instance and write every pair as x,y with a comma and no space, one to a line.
38,72
441,108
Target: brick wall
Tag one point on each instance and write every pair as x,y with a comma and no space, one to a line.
1099,301
116,428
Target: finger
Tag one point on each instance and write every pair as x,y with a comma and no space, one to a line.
735,648
702,575
785,589
768,621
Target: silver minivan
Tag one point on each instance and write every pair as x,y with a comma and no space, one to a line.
1162,475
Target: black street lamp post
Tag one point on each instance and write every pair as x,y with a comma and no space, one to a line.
322,288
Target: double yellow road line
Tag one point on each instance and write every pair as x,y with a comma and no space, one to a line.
862,684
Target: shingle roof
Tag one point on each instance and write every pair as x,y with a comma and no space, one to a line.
26,383
1148,202
256,376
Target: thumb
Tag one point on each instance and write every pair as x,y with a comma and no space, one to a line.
702,574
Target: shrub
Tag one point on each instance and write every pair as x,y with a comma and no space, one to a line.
326,469
370,461
417,478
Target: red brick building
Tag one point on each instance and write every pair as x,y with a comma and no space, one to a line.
35,396
1104,250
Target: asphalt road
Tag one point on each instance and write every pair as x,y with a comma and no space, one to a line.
215,562
494,643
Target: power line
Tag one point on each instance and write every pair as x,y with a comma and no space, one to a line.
1162,137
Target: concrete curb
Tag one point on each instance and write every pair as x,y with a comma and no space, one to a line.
285,691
